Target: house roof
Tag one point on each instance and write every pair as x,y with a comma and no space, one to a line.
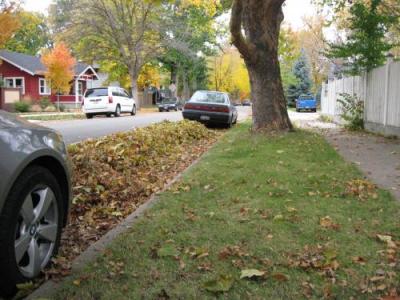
34,66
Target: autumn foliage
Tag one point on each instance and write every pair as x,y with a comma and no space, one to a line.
8,23
114,175
60,68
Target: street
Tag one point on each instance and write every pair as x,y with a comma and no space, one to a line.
74,131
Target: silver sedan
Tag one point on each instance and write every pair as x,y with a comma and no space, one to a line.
34,199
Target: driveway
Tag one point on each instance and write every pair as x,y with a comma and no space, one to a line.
75,131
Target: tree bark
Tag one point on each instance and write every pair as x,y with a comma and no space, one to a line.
261,22
135,92
186,88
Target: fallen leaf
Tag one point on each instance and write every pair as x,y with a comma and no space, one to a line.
250,273
387,239
280,277
222,283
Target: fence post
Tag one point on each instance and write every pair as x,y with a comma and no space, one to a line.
386,99
365,84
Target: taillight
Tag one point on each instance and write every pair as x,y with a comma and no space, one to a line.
189,106
224,109
110,99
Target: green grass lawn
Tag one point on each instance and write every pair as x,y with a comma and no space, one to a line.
55,117
287,206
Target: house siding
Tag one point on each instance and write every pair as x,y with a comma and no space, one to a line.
31,82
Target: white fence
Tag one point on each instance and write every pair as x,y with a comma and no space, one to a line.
380,91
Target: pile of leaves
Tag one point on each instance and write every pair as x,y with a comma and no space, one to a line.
114,175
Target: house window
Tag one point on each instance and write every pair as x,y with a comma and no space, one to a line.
44,87
15,82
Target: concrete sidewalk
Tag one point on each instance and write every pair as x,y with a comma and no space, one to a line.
378,157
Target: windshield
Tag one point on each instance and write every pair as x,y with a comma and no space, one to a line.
96,92
208,97
168,101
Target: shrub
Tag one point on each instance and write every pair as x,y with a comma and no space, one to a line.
21,106
50,108
44,103
352,111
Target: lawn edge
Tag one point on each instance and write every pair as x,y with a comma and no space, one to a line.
50,287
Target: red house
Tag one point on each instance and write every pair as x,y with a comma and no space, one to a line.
27,73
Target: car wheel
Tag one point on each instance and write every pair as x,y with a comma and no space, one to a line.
117,111
133,112
30,227
89,116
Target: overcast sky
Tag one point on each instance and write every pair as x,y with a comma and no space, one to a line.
294,10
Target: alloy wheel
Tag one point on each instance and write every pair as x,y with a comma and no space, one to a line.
36,231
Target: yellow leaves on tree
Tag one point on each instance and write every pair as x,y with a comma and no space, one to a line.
229,74
8,24
60,68
208,6
149,76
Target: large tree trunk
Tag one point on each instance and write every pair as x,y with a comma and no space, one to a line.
261,22
135,92
186,88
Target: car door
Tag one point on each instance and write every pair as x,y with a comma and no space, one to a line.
127,100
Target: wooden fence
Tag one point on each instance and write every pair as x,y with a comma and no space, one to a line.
380,91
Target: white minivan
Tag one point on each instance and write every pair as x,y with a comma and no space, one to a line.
108,101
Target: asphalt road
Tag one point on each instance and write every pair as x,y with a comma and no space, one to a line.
74,131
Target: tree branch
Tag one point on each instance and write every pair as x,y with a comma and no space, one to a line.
236,29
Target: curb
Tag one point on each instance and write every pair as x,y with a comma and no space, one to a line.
47,289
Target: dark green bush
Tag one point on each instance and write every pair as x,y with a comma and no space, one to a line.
44,103
22,106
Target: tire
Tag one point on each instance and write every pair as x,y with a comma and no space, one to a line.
133,112
89,116
37,182
117,111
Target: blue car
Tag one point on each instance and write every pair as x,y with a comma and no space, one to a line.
306,103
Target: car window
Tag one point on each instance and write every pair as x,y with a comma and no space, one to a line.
208,97
116,93
125,94
100,92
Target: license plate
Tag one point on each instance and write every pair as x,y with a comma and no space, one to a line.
204,118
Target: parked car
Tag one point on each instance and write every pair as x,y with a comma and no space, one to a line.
306,102
246,102
238,103
210,108
108,101
35,193
169,104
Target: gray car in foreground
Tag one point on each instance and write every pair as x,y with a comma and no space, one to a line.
210,107
34,199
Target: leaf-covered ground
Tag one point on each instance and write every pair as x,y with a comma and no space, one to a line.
260,217
113,175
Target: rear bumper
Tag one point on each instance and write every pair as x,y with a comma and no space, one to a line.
103,110
214,117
